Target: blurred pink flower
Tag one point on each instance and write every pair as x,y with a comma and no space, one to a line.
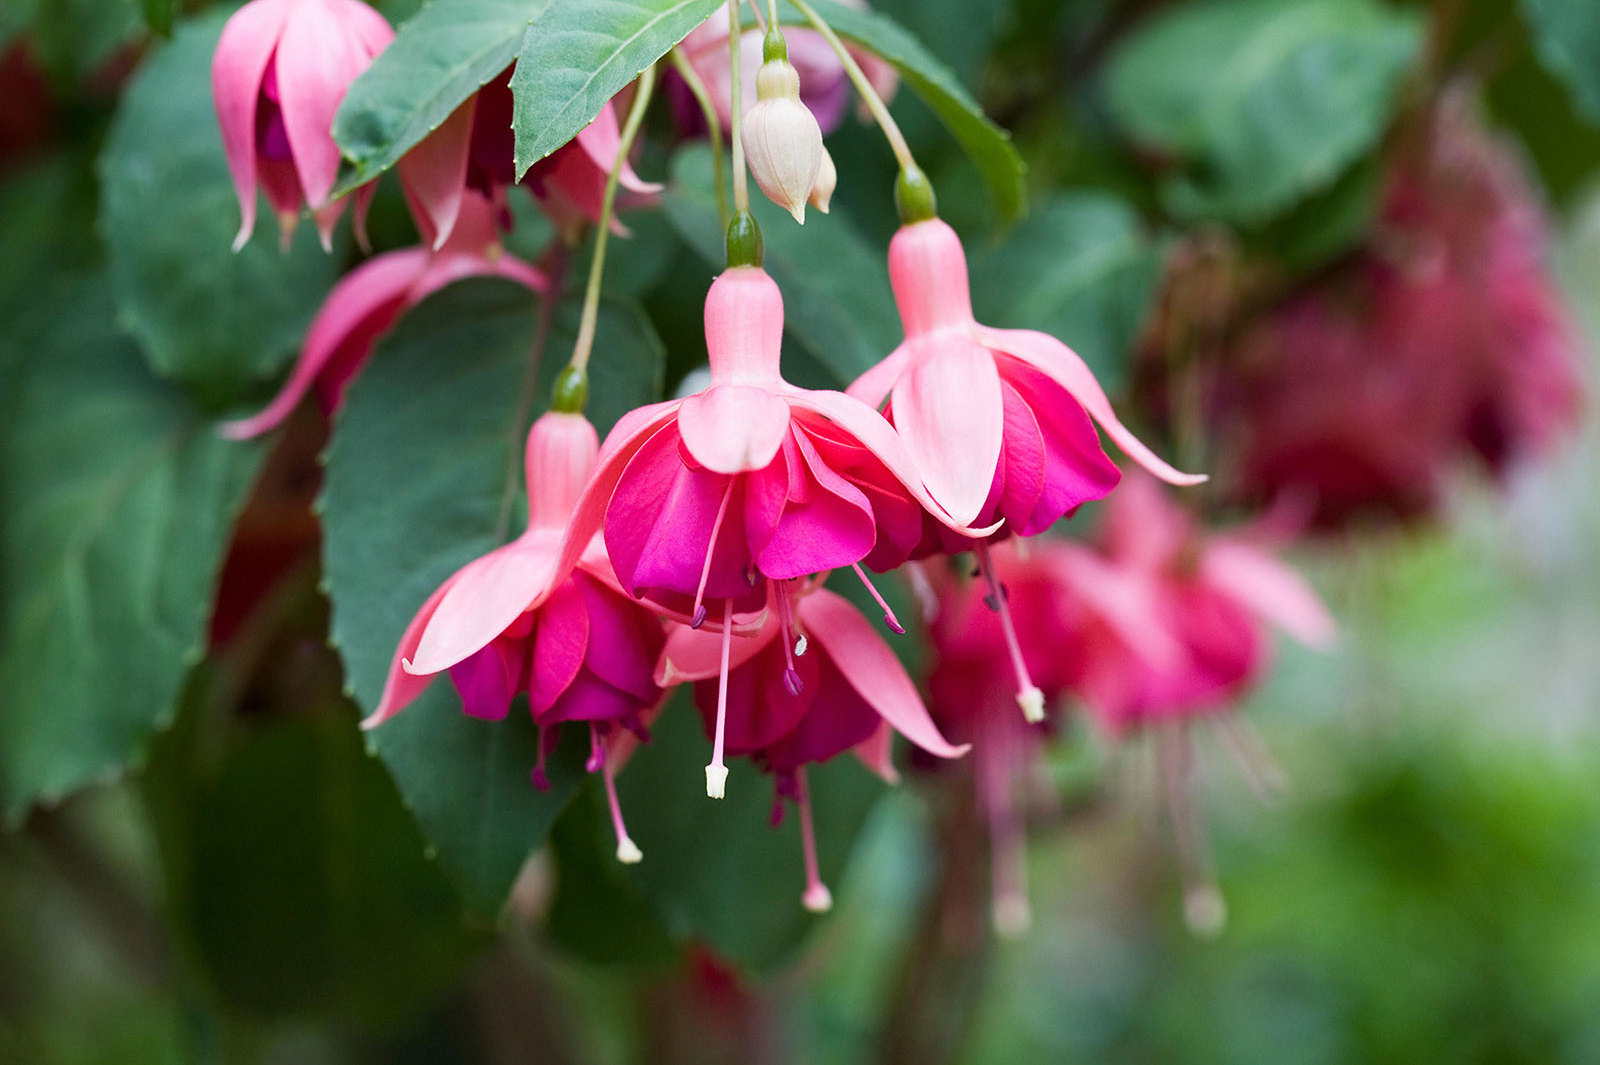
518,620
279,73
706,501
366,303
815,681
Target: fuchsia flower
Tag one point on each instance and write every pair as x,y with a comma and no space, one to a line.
366,303
279,73
472,151
706,501
519,619
815,681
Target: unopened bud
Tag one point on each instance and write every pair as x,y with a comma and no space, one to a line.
782,141
827,179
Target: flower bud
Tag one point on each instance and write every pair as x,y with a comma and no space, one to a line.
827,180
782,141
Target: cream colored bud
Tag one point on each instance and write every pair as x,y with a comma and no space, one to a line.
782,141
827,180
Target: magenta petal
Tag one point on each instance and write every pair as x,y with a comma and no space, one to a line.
949,413
1075,468
837,719
827,524
589,698
488,679
872,669
761,709
238,68
1061,363
488,595
1270,588
733,428
560,641
362,305
434,175
624,640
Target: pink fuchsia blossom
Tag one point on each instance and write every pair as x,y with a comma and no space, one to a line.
519,620
824,85
279,73
367,302
472,152
815,681
712,504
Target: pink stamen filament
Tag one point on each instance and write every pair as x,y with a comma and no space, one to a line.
817,897
699,617
541,780
1204,909
628,852
791,676
716,772
1261,772
888,614
1008,858
1029,697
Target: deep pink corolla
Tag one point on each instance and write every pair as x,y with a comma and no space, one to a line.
708,501
279,73
518,620
997,421
815,681
366,303
472,151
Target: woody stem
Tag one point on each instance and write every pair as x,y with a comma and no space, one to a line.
869,95
597,267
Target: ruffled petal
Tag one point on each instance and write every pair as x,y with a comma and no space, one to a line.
827,522
1074,467
560,642
860,654
1070,371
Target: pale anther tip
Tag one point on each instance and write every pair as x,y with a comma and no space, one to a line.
628,852
817,899
1032,703
716,781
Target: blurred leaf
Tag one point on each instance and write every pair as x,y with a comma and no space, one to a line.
74,39
1261,101
1328,224
1523,95
718,871
1083,269
988,145
424,474
437,60
578,54
116,501
49,208
1566,35
835,286
217,321
158,15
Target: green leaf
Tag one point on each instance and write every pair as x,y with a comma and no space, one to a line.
436,61
116,501
1566,36
988,145
717,871
158,15
217,321
837,299
424,474
1261,102
1083,269
577,54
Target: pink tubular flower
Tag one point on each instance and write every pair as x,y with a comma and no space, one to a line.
814,682
367,302
518,620
824,85
472,151
279,73
707,500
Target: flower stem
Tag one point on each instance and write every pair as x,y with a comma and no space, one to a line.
713,127
591,295
741,188
869,95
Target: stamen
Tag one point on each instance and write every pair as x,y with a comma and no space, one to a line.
1008,856
699,617
628,852
817,897
791,676
1205,911
716,772
922,589
597,753
1029,697
1261,772
540,779
888,614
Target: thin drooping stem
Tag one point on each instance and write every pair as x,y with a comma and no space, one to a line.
741,187
869,95
591,295
713,127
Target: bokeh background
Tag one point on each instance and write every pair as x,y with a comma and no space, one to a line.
1426,888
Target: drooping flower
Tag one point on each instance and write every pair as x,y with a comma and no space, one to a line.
815,681
1444,344
473,151
279,73
824,85
708,500
367,302
782,141
519,619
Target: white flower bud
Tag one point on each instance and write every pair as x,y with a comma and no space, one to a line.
827,180
782,141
